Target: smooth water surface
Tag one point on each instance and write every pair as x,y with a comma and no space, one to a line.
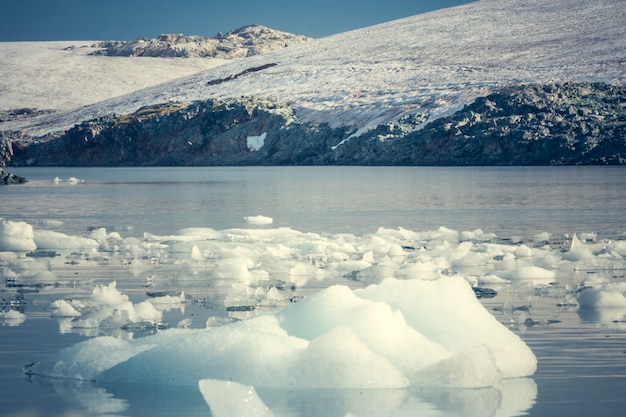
507,201
582,355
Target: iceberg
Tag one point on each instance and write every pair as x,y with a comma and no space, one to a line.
387,336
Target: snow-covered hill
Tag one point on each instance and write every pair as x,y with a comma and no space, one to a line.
238,43
63,75
431,63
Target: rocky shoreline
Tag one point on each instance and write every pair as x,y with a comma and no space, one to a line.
556,124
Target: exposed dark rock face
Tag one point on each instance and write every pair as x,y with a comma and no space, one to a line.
14,114
8,178
239,43
524,125
564,124
9,143
210,132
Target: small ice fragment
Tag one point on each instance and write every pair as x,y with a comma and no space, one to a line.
184,323
16,236
62,308
13,315
258,220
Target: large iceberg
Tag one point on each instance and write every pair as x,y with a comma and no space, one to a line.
390,335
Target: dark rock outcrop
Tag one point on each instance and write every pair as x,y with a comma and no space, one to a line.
525,125
7,178
239,43
15,114
10,142
565,124
212,132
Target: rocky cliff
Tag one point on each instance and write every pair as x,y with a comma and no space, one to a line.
564,124
239,43
526,125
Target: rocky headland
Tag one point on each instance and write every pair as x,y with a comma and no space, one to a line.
556,124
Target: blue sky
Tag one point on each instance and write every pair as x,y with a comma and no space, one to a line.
28,20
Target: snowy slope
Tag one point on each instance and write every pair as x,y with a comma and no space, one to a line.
62,75
434,63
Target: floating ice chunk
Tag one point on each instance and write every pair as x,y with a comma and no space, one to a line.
46,239
52,223
147,312
529,273
16,236
106,304
70,180
234,269
258,220
492,279
471,259
13,315
523,251
578,251
542,237
61,308
74,180
169,299
184,323
107,295
385,336
196,254
227,399
605,296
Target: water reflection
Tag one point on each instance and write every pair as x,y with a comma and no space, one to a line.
515,397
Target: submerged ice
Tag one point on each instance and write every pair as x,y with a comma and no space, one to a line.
405,313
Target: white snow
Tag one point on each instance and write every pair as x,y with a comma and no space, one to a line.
255,143
62,75
432,63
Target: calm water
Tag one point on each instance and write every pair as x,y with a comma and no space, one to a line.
582,359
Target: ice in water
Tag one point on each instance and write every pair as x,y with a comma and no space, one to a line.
412,321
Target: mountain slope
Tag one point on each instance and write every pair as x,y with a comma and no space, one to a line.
432,63
63,75
412,91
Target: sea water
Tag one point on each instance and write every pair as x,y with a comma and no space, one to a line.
580,351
